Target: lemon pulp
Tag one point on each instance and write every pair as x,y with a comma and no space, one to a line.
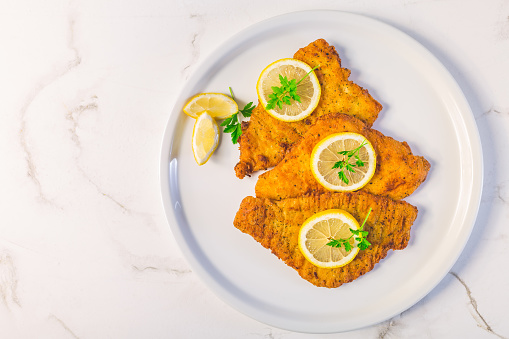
217,105
320,229
326,154
205,138
308,88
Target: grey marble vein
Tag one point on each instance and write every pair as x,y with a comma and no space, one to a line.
86,105
103,193
8,282
481,321
147,219
66,328
144,264
195,46
502,191
167,265
52,76
385,329
269,335
272,333
496,111
391,327
74,114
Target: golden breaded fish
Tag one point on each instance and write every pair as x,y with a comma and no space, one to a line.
398,172
265,139
276,225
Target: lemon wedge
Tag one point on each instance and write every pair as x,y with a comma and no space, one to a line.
205,137
320,229
308,89
217,105
327,153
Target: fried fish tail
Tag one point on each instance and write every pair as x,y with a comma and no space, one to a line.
264,141
276,224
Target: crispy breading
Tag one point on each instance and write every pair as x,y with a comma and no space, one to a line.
276,225
398,172
338,93
265,139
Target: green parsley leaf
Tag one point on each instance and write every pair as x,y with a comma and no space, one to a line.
343,177
247,110
346,163
286,93
232,124
338,243
359,236
364,244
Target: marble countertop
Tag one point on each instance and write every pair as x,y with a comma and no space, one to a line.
87,87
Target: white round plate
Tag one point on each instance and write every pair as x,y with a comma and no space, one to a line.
423,105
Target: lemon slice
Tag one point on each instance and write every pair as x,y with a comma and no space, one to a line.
308,89
326,154
205,137
321,228
219,106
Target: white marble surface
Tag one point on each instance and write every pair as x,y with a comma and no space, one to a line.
86,90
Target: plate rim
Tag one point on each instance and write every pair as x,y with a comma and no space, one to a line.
469,128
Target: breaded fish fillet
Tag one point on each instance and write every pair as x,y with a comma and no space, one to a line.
398,172
265,139
276,225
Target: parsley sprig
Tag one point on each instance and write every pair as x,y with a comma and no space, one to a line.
359,235
285,93
233,124
345,164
